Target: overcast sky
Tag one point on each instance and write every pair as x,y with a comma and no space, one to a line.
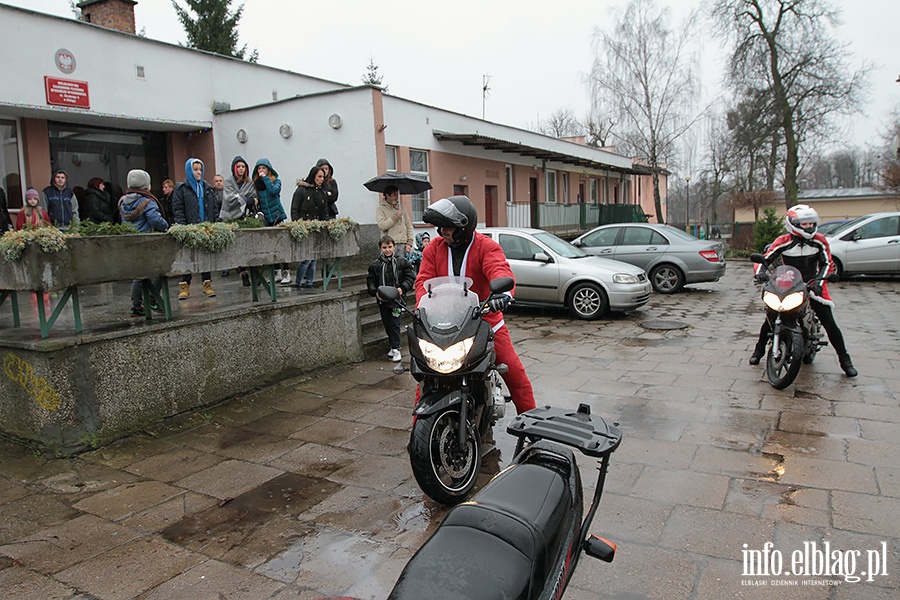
537,53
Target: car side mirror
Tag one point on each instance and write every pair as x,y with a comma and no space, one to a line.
541,257
856,237
576,243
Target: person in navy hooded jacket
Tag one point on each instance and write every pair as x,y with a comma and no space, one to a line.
59,201
189,209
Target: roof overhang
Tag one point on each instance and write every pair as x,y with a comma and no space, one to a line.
510,147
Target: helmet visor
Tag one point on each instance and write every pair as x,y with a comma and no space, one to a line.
444,213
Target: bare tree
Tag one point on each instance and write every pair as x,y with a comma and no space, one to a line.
645,71
755,201
889,167
562,123
787,50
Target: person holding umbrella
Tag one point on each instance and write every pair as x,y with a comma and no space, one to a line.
393,221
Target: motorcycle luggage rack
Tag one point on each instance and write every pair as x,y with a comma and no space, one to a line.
590,434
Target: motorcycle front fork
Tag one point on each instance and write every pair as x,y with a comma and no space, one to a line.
776,346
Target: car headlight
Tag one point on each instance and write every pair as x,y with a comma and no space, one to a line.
625,278
790,302
449,360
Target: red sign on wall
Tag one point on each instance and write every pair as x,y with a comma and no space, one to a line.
67,92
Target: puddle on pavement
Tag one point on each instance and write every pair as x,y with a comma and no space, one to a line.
342,559
234,520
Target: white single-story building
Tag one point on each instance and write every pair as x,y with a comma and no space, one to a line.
97,102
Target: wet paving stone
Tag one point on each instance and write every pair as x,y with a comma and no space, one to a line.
303,489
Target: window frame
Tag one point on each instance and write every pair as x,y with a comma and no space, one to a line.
388,151
419,202
550,189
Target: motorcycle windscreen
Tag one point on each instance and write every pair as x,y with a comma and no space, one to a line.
448,302
786,278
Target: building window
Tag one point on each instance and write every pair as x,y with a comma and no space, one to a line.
509,184
418,165
391,154
551,187
565,191
594,191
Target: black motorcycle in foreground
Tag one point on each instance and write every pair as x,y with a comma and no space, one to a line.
521,537
452,356
796,332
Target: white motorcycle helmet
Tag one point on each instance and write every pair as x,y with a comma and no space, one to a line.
801,213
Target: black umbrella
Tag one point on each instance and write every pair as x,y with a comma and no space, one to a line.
406,183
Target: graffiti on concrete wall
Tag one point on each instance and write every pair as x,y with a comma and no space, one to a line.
23,373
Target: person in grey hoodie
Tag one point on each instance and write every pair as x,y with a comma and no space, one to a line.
141,208
238,199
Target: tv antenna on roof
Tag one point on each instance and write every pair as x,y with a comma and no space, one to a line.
485,91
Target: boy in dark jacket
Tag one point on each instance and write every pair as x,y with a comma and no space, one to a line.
394,271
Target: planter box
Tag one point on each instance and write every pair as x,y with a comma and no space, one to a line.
90,260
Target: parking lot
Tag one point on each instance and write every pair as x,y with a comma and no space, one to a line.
303,489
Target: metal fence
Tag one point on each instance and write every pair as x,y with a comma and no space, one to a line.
563,219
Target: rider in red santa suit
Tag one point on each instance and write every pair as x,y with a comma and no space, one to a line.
461,251
804,248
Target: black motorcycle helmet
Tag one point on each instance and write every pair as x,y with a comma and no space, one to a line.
455,211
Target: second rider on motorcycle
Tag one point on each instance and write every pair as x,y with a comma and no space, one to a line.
461,251
808,251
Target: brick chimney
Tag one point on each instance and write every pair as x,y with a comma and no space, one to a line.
112,14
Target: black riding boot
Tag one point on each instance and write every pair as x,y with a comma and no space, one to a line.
847,365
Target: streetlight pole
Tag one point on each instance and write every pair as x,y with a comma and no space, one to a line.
687,208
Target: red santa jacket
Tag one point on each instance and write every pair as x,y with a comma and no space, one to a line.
484,261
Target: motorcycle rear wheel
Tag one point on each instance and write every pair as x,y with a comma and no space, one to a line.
446,474
783,370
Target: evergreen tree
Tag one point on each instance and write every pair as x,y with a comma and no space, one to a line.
212,27
372,77
767,228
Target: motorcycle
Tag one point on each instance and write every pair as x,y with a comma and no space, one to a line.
521,536
796,332
452,357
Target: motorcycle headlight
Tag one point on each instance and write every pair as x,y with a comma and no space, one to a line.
449,360
790,302
624,278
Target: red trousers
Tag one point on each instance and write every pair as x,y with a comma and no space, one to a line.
516,380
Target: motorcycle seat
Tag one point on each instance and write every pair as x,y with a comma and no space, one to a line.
496,545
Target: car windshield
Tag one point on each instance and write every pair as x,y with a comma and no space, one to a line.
448,301
681,234
561,247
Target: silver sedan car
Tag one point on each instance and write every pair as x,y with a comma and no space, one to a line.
672,257
549,270
869,245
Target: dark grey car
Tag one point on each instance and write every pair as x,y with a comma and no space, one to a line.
671,257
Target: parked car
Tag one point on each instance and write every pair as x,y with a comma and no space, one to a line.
869,245
832,226
552,271
672,257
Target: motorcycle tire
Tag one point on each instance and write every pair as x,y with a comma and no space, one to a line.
782,371
445,474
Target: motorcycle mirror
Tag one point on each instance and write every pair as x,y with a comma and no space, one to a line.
502,284
833,278
757,258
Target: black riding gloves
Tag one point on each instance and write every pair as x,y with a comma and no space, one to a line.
500,303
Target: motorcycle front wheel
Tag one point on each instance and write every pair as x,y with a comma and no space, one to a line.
445,472
783,363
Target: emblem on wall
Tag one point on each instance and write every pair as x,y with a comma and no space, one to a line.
65,61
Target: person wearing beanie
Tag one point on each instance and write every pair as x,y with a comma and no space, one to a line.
141,208
59,201
32,215
194,201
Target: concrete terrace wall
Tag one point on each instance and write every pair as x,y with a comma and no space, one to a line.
65,396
